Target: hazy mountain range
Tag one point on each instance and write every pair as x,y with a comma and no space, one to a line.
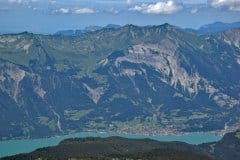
78,32
213,28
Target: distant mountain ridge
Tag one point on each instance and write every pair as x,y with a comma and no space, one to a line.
215,28
78,32
212,28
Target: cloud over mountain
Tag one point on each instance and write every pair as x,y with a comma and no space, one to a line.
75,11
231,5
168,7
83,11
64,10
15,1
194,10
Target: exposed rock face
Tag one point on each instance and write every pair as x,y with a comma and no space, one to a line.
231,37
167,61
164,59
11,76
137,79
41,92
94,94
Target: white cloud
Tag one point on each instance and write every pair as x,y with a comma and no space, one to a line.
114,11
74,11
15,1
64,10
129,1
21,1
53,2
195,1
231,5
194,10
83,11
168,7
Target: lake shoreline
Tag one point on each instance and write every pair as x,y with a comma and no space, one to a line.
13,147
172,133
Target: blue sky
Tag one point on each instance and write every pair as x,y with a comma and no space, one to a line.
49,16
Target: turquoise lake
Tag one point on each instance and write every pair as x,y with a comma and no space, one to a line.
13,147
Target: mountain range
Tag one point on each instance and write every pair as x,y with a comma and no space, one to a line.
78,32
209,29
151,80
215,28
